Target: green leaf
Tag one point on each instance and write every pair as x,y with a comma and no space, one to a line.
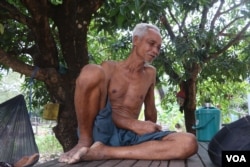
119,20
1,29
56,2
137,4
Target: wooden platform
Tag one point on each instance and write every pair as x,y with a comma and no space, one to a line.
201,159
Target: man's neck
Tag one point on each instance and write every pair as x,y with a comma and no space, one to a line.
134,64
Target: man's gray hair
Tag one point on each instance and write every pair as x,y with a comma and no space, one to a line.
141,28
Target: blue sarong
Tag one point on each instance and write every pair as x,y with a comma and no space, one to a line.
105,131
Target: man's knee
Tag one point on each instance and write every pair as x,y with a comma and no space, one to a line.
91,76
190,146
186,142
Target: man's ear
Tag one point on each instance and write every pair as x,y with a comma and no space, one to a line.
135,40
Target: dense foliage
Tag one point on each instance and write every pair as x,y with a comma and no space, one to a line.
205,44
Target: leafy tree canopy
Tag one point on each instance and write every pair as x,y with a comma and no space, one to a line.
202,40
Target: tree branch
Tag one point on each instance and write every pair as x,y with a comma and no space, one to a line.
184,20
217,14
170,71
204,14
43,74
231,35
13,13
203,18
228,25
166,24
237,38
42,33
175,20
233,7
15,64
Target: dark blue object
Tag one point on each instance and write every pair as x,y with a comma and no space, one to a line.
232,137
106,132
16,134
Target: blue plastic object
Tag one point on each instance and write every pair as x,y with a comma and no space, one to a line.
207,123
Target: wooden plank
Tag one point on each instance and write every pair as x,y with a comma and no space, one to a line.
201,159
194,161
203,145
164,163
143,163
49,163
55,163
109,163
155,164
59,164
86,163
203,154
126,163
177,163
93,163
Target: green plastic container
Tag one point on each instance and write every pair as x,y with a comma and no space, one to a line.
207,123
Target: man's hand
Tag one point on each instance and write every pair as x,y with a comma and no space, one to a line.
137,126
143,127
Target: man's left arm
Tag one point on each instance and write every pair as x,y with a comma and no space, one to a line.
150,111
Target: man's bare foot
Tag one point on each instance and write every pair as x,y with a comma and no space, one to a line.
27,160
77,157
65,157
95,152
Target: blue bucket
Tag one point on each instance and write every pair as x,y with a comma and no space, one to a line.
207,123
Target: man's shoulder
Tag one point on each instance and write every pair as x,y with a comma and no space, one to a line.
109,63
150,68
109,66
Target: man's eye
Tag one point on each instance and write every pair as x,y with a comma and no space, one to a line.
151,43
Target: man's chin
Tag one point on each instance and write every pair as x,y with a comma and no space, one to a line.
147,62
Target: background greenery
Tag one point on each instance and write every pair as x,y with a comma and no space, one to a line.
233,103
206,46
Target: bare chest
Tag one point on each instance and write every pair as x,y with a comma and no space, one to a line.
131,88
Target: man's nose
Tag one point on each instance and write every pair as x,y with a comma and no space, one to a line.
156,51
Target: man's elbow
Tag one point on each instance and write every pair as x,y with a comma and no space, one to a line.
120,121
152,118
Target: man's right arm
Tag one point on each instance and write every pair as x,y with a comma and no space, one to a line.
137,126
108,67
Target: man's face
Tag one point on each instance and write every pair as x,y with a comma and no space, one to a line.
148,46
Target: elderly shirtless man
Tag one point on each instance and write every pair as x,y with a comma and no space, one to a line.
108,100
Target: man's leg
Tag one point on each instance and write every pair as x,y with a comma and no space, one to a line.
27,160
173,146
90,97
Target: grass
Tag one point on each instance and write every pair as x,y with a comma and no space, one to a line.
48,144
45,138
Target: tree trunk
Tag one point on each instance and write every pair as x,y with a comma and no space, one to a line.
58,36
189,120
72,26
190,101
66,128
